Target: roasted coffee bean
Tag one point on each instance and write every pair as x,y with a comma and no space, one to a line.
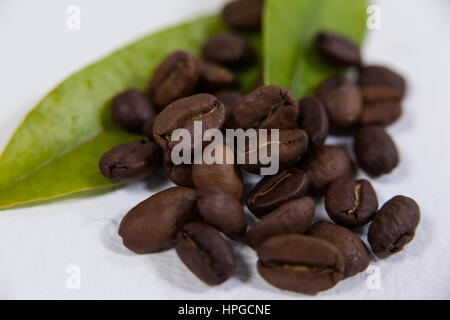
153,224
130,162
300,263
342,100
228,49
314,120
292,144
222,210
379,83
292,217
215,77
337,49
383,113
231,100
355,253
375,150
393,226
326,165
272,191
180,174
205,252
131,109
225,175
351,203
182,114
268,107
175,78
245,15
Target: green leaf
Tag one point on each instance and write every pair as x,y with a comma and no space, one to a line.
57,148
288,32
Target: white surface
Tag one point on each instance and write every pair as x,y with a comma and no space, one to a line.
39,243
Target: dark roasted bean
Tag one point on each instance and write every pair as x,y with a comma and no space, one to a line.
179,174
228,49
337,49
215,77
379,83
243,15
383,113
231,100
314,120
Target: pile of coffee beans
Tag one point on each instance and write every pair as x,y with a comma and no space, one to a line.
206,207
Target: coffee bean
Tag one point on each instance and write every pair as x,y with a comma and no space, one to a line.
131,109
292,217
222,210
268,107
130,162
175,78
375,150
326,165
215,77
203,250
153,224
245,15
300,263
272,191
231,100
228,49
351,203
379,83
342,100
179,174
383,113
314,120
292,144
393,226
355,253
337,49
182,113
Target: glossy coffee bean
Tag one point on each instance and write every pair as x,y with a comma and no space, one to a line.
180,174
182,114
175,78
375,150
314,120
222,210
131,109
268,107
214,77
231,100
337,49
292,144
245,15
355,253
153,224
300,263
382,113
351,203
342,100
272,191
228,49
326,165
393,226
292,217
379,83
130,162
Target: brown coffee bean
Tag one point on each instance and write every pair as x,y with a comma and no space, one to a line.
337,49
215,77
379,83
268,107
203,250
394,226
182,114
326,165
375,150
355,253
228,49
245,15
342,100
300,263
292,217
179,174
351,203
153,224
222,210
175,78
382,113
130,162
231,100
314,120
272,191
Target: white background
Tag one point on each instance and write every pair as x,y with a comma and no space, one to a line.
39,243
